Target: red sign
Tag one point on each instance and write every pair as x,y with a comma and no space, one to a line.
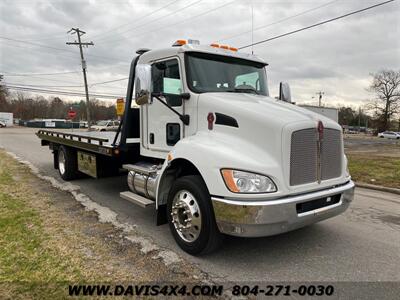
71,114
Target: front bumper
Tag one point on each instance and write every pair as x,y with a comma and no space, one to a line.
269,217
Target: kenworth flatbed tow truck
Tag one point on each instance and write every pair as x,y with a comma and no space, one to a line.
211,151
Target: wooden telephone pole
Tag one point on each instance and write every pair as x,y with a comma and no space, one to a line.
79,33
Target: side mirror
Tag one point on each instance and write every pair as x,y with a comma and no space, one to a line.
284,92
142,84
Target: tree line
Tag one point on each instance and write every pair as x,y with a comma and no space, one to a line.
26,107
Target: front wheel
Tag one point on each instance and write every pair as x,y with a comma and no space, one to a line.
191,216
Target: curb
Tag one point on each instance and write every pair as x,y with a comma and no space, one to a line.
378,188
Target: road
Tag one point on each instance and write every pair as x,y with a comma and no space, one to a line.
363,244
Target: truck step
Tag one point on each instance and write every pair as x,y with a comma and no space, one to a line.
148,170
136,199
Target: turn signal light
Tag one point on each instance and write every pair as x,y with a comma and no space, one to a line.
229,180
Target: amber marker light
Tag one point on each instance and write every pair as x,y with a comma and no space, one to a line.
229,180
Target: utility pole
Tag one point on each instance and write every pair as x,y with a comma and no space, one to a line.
79,33
320,98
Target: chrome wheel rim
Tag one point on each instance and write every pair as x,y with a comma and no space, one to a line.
61,162
186,216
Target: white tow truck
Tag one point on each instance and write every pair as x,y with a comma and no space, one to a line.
211,151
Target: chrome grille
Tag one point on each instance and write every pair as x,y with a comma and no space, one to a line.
304,154
331,158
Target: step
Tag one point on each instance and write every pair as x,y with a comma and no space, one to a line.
136,199
145,170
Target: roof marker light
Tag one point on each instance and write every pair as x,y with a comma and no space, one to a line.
185,42
179,43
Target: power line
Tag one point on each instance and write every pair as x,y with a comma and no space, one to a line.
143,17
54,86
48,79
317,24
191,18
34,75
158,19
279,21
50,47
67,55
38,74
60,92
43,86
109,81
144,24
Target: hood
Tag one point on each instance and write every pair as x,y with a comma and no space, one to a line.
264,123
264,131
262,109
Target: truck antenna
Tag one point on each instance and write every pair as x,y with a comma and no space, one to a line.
252,27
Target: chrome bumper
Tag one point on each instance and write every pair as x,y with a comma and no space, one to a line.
269,217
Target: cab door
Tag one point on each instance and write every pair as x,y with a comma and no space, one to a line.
164,128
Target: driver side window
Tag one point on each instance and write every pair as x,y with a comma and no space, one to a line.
166,79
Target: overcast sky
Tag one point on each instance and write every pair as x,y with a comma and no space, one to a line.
335,58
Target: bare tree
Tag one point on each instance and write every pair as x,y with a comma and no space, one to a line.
3,96
386,86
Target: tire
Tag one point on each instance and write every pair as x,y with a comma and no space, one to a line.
67,163
188,196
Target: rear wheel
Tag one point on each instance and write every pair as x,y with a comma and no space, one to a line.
67,163
191,216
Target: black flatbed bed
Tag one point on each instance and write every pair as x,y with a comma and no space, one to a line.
92,141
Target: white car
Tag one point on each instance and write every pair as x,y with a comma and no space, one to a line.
2,124
106,125
389,135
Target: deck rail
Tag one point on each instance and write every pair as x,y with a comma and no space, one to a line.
74,137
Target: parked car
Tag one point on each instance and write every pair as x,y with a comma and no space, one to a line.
106,125
389,135
83,124
2,124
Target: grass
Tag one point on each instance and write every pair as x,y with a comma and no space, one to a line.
378,170
49,241
27,265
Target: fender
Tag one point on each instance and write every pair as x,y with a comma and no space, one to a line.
209,152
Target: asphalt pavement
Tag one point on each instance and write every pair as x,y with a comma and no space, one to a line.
363,244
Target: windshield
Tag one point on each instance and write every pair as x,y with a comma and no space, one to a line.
216,73
102,123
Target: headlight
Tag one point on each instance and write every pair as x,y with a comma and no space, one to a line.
245,182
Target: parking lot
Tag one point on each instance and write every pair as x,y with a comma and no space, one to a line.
363,244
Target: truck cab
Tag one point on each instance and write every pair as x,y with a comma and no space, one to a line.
216,154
